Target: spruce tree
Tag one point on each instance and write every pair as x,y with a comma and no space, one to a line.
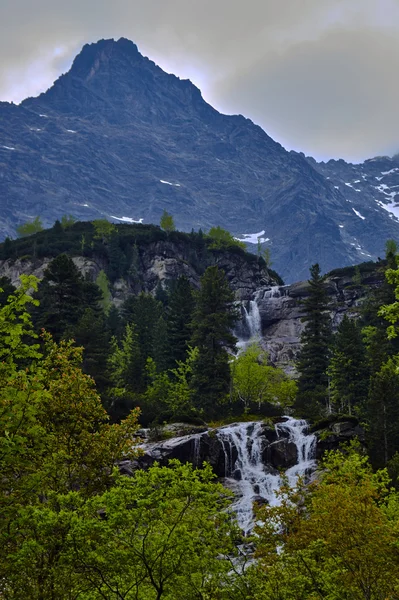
383,413
214,317
64,295
180,312
92,333
348,368
312,398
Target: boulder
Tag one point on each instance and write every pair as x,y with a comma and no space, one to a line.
281,454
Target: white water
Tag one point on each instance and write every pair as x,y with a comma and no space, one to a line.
246,474
253,323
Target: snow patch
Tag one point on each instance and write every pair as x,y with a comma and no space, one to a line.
357,213
168,183
9,147
253,238
45,116
389,172
125,219
336,187
391,208
351,186
71,131
340,226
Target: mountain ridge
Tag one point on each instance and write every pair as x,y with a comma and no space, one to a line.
117,137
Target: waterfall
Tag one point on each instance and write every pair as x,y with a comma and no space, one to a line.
246,474
252,317
252,330
273,292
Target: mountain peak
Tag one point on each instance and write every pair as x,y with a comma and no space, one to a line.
100,54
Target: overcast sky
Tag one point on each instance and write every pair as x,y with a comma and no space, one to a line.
321,76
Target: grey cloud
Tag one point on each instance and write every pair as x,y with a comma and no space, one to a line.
318,75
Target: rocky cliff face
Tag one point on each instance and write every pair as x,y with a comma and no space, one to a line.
280,312
117,137
157,263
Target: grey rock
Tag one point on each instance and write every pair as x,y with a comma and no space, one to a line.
282,454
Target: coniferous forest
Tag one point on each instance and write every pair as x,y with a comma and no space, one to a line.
79,375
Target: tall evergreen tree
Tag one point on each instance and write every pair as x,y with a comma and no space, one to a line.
180,312
348,368
92,333
214,317
312,398
64,295
375,326
125,372
144,311
383,413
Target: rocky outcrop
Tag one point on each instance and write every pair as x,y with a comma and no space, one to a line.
281,311
158,263
336,433
278,450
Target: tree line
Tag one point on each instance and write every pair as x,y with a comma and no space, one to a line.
355,371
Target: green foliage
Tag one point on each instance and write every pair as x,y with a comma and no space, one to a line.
221,239
179,316
167,223
125,371
54,440
103,283
27,229
64,296
213,319
383,412
67,221
255,382
312,398
16,325
335,540
357,277
348,369
103,229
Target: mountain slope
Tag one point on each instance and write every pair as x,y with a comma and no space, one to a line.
118,137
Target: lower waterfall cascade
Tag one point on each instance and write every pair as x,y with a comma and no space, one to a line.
247,475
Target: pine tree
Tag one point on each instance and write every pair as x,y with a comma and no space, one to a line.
180,312
64,295
125,372
167,223
312,398
214,317
144,311
92,333
383,413
348,368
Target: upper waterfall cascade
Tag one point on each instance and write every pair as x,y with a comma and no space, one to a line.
246,473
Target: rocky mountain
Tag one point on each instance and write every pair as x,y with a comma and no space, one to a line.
117,137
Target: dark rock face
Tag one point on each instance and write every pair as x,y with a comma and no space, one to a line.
117,137
206,446
335,434
281,454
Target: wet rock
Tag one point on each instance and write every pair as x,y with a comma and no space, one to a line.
260,500
282,454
